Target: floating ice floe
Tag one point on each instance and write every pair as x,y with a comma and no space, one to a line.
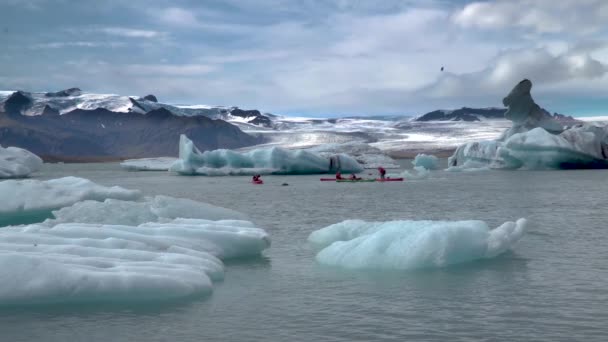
426,161
272,160
406,245
27,201
418,172
78,262
18,163
536,140
149,209
148,164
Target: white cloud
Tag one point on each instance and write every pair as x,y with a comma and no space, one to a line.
540,16
177,16
131,33
77,44
538,65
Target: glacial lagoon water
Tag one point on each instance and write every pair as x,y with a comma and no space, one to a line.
550,287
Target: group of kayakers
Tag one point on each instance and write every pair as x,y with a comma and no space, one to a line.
352,176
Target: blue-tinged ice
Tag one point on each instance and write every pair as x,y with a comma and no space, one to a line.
426,161
406,245
536,140
18,163
30,200
79,262
272,160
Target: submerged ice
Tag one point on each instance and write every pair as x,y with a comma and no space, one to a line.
536,140
27,201
18,163
406,245
272,160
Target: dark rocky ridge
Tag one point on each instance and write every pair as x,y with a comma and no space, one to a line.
474,114
101,134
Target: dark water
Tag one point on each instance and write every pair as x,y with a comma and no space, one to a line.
551,287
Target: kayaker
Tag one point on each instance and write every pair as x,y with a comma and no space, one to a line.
382,172
256,178
338,175
353,177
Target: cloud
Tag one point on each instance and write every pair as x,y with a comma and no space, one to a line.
177,16
78,44
538,65
131,33
539,16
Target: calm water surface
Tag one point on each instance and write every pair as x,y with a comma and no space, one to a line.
551,287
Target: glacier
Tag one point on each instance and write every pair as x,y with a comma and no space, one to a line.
29,200
368,156
535,141
17,162
148,164
80,263
408,245
274,160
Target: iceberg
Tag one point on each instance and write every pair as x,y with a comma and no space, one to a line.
272,160
407,245
368,156
79,262
426,161
148,164
18,163
150,209
28,201
536,140
419,172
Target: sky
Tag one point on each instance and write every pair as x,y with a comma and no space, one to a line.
313,57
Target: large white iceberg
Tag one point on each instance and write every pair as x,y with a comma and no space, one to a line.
27,201
148,164
535,141
406,245
77,262
272,160
18,163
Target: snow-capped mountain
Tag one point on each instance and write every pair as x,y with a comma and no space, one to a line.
65,101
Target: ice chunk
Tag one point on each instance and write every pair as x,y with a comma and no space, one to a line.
405,245
151,209
273,160
368,156
74,263
427,161
419,172
535,141
27,201
18,163
148,164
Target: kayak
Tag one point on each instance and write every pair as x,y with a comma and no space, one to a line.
389,180
328,179
258,182
355,180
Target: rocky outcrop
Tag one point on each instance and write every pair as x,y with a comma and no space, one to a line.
65,93
17,103
254,117
463,114
151,98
